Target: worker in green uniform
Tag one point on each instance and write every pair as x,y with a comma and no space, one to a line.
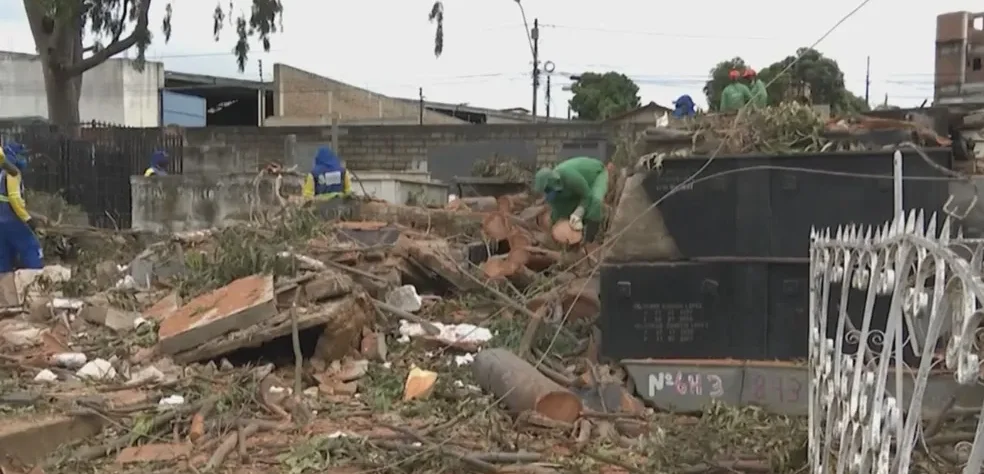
735,95
760,96
575,189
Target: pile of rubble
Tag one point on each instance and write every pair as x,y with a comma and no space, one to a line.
783,129
403,339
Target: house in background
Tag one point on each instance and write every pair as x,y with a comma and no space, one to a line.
645,114
959,58
112,92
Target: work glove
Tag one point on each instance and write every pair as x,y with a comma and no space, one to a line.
575,218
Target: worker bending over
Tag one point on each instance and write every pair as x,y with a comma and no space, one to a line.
760,96
328,178
735,95
575,189
18,242
158,164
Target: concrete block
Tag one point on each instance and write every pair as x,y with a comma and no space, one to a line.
778,387
242,303
686,386
29,439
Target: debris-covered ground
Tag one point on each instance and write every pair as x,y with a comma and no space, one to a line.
399,339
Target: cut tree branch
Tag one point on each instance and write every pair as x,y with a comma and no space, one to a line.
116,47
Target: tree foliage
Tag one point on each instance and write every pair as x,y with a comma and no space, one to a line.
820,74
600,96
719,79
59,28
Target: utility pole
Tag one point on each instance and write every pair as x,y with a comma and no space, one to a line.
547,98
867,82
261,99
421,105
535,35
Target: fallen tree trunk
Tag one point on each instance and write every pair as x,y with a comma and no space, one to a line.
521,387
500,267
440,221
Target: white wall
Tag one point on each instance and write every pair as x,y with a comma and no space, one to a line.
112,92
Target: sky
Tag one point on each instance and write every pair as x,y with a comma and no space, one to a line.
667,47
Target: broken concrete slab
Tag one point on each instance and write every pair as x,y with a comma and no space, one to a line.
340,312
16,288
29,439
234,307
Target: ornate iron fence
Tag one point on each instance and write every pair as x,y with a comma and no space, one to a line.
861,418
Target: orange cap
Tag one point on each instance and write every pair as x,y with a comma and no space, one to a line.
749,72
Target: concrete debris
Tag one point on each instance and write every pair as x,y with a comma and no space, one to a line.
98,369
405,298
115,319
226,339
240,304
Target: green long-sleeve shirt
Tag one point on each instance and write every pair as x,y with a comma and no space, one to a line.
734,97
580,181
760,96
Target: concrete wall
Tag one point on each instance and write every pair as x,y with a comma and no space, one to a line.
112,92
303,98
446,150
191,202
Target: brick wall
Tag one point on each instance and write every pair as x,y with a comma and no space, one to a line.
300,94
397,147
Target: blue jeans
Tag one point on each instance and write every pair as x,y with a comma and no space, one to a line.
18,245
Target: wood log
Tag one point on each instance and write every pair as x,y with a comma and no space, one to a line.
437,256
500,267
440,221
496,226
580,298
521,387
563,233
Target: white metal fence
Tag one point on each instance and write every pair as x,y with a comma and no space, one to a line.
860,418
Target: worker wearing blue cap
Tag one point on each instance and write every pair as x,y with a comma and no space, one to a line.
158,164
18,241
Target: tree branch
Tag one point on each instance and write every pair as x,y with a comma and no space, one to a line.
117,46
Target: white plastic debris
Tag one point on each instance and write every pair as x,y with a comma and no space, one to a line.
66,303
45,376
139,321
171,401
126,283
465,359
405,298
69,360
450,333
98,369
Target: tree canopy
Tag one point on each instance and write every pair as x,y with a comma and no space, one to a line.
600,96
60,27
821,75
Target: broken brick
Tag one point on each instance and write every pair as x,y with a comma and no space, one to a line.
238,305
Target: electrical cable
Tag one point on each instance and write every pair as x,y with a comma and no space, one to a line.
609,241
